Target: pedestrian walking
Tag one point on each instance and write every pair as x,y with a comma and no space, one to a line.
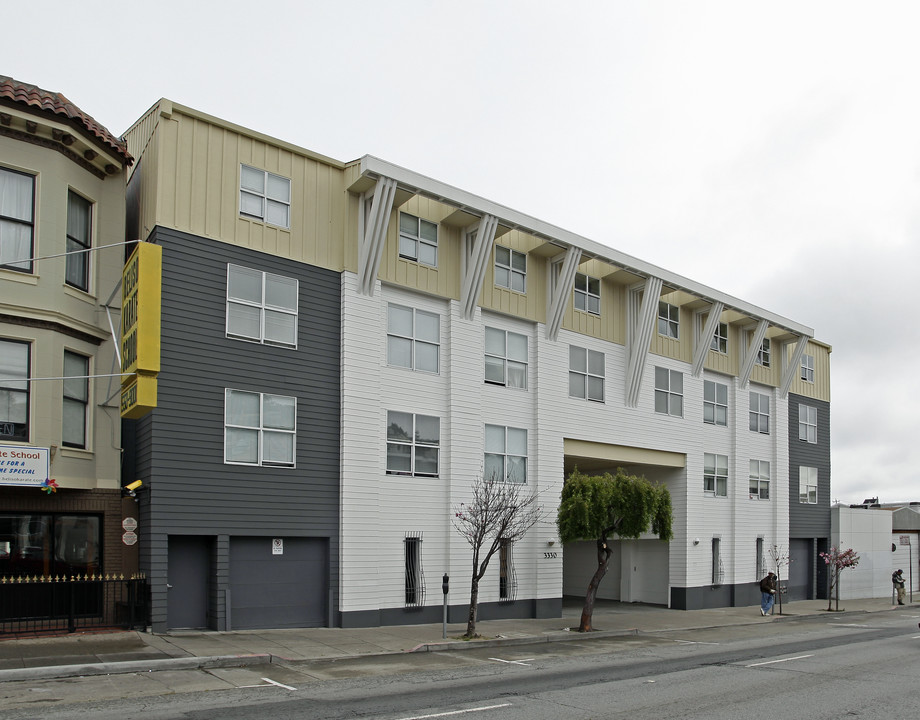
897,579
767,593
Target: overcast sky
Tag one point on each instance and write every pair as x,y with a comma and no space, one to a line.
769,150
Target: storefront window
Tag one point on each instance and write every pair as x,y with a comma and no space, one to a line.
49,545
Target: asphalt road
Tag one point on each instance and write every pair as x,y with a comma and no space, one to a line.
804,668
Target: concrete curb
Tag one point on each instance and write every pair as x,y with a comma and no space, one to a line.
560,636
130,666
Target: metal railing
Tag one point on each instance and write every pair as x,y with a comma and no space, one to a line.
74,602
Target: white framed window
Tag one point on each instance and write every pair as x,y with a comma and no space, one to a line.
720,339
668,320
79,240
413,338
15,371
808,423
259,428
261,307
715,403
587,370
808,368
587,294
17,219
510,269
506,358
669,392
505,454
413,444
763,355
265,196
715,474
418,239
507,579
808,485
760,413
76,400
759,560
759,480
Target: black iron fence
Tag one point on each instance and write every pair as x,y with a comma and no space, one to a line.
71,603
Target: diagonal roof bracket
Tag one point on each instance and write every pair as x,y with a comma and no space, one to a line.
750,355
704,341
641,338
561,290
795,363
477,249
372,237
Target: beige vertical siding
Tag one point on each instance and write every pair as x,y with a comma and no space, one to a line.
820,389
530,305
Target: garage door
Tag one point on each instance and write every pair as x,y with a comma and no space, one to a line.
278,584
799,570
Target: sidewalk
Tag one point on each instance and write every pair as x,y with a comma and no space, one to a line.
128,652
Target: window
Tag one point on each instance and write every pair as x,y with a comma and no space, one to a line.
79,240
45,545
759,560
17,191
763,355
259,429
760,413
412,444
715,474
510,269
808,485
586,374
718,572
720,339
418,240
808,368
261,307
76,400
808,423
507,581
669,392
506,358
415,580
506,454
587,294
760,480
715,403
265,196
15,362
668,320
413,338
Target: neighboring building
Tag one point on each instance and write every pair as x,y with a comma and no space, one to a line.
62,202
347,346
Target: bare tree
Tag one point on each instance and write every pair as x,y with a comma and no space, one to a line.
781,559
500,512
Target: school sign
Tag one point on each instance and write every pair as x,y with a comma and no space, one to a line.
140,330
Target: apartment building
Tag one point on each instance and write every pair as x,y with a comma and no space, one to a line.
346,347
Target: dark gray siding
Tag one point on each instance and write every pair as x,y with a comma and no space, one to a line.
810,521
180,445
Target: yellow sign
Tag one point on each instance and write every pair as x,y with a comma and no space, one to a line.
139,396
140,329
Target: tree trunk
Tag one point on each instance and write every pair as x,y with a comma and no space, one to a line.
830,590
603,561
837,594
474,605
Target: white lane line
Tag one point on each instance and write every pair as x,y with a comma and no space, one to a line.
515,662
457,712
286,687
771,662
695,642
847,625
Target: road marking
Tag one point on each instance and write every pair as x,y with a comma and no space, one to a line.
695,642
515,662
846,625
286,687
457,712
770,662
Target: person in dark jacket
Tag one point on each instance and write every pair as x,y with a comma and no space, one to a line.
897,579
767,593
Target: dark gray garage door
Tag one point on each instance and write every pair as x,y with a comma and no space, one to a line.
278,590
800,570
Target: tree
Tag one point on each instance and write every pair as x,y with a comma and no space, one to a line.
781,559
500,512
598,506
837,561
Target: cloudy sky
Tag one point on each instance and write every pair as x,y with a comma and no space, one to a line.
770,150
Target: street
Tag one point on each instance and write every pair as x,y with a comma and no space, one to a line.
815,667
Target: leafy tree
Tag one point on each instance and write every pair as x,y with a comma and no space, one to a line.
499,512
837,561
598,506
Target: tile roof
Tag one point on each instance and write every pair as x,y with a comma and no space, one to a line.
56,103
